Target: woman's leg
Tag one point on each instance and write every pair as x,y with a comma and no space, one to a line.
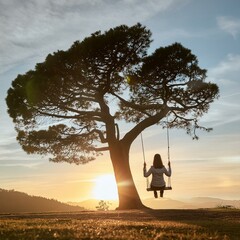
155,194
161,193
154,191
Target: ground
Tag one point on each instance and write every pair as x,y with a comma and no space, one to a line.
150,224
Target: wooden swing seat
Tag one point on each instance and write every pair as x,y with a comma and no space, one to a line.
160,188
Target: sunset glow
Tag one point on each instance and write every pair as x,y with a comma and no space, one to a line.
208,167
105,188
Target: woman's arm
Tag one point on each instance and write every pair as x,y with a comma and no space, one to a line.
145,172
169,171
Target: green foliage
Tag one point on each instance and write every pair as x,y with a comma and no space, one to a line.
59,140
68,107
171,77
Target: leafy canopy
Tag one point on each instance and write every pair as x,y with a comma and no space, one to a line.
69,105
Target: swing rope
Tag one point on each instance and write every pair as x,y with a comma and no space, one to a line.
143,151
168,143
144,160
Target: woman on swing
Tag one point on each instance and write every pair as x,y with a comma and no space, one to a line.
157,171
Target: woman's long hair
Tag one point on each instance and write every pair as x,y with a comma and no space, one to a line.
157,161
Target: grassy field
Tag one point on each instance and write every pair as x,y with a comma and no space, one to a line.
150,224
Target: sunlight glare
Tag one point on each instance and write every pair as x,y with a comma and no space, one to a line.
105,188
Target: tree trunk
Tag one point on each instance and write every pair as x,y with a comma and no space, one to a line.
127,192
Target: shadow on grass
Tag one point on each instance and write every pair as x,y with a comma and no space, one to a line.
147,224
225,222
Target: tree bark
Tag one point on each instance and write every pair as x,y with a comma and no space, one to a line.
127,192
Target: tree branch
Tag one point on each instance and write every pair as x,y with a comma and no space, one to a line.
101,149
147,122
100,134
79,116
140,108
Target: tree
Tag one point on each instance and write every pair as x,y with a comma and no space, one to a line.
103,205
69,107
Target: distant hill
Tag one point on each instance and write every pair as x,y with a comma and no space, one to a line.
167,203
150,202
193,203
15,202
208,202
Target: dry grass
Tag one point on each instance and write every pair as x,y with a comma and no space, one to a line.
141,225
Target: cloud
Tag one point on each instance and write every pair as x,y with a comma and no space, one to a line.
23,165
226,75
32,29
229,25
226,110
228,65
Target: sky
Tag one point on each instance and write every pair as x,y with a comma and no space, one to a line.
210,166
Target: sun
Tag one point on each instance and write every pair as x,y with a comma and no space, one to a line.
105,188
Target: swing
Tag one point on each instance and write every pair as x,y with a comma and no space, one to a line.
168,186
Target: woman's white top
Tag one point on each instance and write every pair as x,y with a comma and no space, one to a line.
157,175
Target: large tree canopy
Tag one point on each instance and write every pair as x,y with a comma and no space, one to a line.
69,106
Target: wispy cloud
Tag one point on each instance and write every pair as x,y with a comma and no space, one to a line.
24,165
181,33
226,75
228,65
31,29
225,110
229,25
